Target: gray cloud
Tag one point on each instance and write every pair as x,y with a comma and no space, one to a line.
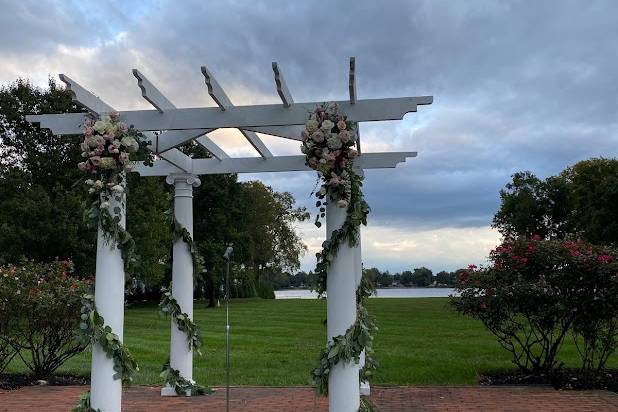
517,85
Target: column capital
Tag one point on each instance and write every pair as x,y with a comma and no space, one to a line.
186,178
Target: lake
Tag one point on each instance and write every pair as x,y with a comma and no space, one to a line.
382,293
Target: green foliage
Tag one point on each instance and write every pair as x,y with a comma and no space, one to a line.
579,201
83,404
94,331
535,292
265,290
169,306
181,385
39,204
39,308
421,277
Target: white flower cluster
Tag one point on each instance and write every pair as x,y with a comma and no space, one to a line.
328,144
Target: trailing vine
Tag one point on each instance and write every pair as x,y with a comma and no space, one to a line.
181,385
328,144
93,330
109,148
169,306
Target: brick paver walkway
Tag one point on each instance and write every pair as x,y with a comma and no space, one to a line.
386,399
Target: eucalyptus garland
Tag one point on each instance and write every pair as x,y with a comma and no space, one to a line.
181,385
83,404
169,306
93,330
328,143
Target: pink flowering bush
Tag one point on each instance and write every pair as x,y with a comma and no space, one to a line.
40,312
535,293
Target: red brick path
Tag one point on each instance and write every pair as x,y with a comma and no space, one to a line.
386,399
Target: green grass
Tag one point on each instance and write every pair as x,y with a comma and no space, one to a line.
277,342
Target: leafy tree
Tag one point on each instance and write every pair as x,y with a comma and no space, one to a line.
422,277
446,278
530,206
593,191
385,279
406,278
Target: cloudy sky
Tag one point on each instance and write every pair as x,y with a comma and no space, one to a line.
517,85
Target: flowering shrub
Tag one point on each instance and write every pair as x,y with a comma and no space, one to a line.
535,292
40,309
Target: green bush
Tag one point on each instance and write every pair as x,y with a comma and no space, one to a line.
40,312
535,292
265,290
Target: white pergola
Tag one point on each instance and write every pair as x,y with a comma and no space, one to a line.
168,127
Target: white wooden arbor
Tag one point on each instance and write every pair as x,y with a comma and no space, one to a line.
176,126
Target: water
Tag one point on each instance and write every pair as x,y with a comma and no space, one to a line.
382,293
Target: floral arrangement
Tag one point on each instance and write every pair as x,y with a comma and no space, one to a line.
328,142
110,148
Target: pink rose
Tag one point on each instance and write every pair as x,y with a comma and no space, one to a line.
334,181
83,166
113,115
313,162
88,131
344,136
108,137
122,126
318,137
95,160
341,125
352,153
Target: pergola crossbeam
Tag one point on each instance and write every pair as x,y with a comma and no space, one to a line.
162,103
97,106
274,164
352,90
223,101
240,116
282,88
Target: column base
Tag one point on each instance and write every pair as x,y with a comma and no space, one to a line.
167,390
365,389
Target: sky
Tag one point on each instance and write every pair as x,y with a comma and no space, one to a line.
517,85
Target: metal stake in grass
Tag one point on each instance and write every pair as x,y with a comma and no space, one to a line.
227,255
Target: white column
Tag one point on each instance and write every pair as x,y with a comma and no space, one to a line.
105,391
181,357
343,387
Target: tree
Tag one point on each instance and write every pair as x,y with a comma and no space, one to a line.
40,208
530,206
593,193
385,279
422,277
446,278
406,278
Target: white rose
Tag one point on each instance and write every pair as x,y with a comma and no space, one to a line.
130,143
89,182
105,205
100,126
327,126
334,142
98,184
312,125
322,191
117,189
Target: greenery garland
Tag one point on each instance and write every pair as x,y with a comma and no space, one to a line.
108,146
83,404
328,143
181,385
169,306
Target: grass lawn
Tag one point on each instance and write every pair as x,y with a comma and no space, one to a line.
277,342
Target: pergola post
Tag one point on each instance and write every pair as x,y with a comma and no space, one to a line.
358,262
105,391
343,385
181,357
